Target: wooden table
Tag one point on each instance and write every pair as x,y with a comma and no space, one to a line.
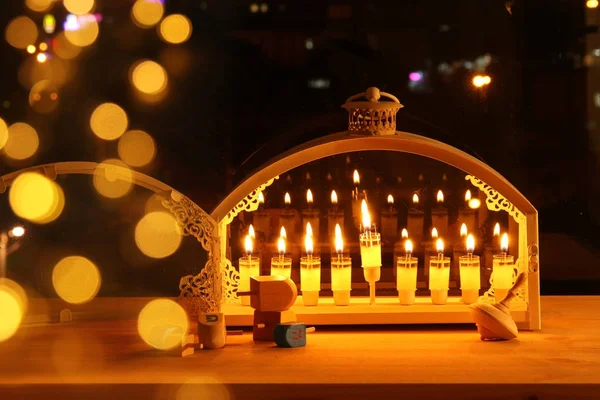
422,361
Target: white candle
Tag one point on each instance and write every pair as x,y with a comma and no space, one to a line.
281,265
310,273
370,252
249,266
470,280
341,272
503,270
439,275
406,275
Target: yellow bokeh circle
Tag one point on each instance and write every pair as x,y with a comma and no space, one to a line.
76,279
10,314
79,7
109,121
113,179
136,148
157,235
63,48
36,198
149,77
3,133
175,29
147,13
21,32
162,324
85,35
23,141
38,5
16,291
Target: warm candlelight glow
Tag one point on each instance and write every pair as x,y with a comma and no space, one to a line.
251,232
283,233
261,198
281,245
309,231
415,198
366,217
339,242
440,196
463,230
470,243
356,177
390,199
497,229
434,233
504,243
467,195
404,233
308,243
309,197
408,247
334,199
439,245
474,204
287,199
248,244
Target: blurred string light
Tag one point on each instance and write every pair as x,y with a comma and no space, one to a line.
21,32
158,235
84,33
147,13
481,80
162,323
108,121
149,77
79,7
43,46
264,7
11,314
16,291
41,57
31,49
36,198
71,23
253,8
3,133
54,70
175,29
49,24
39,5
415,76
136,148
592,4
76,279
43,97
113,179
23,141
63,48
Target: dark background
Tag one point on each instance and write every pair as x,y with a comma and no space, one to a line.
242,90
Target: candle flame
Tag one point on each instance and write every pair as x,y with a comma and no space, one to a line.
366,218
339,242
309,196
434,233
282,232
497,229
474,204
251,232
281,245
307,176
334,199
504,243
463,230
415,198
390,199
439,245
404,234
308,244
287,199
248,244
309,231
408,247
261,198
356,177
440,196
470,243
467,195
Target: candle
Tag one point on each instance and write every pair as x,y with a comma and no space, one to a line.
434,233
416,220
249,266
439,215
357,197
287,199
404,234
467,196
497,230
310,272
251,232
503,271
309,198
370,251
470,275
311,216
463,230
334,199
341,272
467,214
335,217
406,275
439,275
287,218
389,219
281,265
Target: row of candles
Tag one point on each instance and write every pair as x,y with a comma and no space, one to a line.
370,252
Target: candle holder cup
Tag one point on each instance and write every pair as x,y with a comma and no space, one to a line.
310,279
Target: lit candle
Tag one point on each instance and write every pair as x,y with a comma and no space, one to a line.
463,230
334,199
281,265
434,233
335,217
470,275
467,196
497,229
503,271
404,234
311,216
341,272
416,220
310,272
287,200
389,219
251,232
287,218
415,200
249,266
406,275
439,275
309,198
370,251
439,215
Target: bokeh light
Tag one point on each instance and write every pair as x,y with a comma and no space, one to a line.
147,13
55,70
79,7
36,198
38,5
41,57
16,291
3,133
157,235
21,32
109,121
149,77
31,49
10,315
175,29
23,141
76,279
136,148
203,387
154,203
162,324
63,48
85,35
43,97
113,179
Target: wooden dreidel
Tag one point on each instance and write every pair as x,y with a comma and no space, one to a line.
271,293
493,320
290,334
211,330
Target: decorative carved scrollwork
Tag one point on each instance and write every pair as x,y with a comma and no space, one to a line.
231,279
194,221
197,292
249,203
495,201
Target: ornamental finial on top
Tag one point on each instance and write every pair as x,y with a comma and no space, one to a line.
372,116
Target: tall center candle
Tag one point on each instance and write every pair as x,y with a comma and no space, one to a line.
370,252
249,266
